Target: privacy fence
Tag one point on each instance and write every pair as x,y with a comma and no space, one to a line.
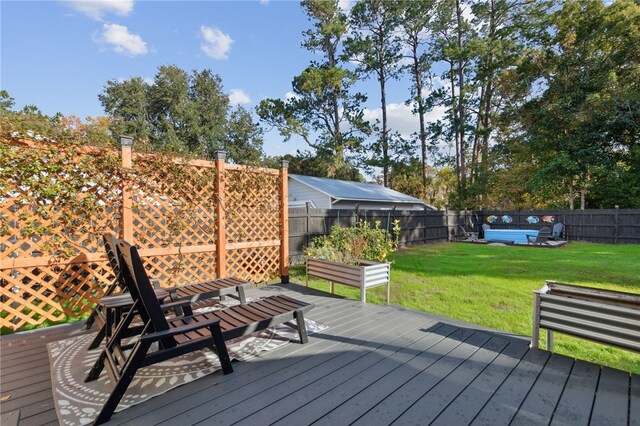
418,227
614,226
193,220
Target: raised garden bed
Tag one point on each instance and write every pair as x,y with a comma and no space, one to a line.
603,316
364,274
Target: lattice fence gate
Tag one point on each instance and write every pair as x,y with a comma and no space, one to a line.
213,220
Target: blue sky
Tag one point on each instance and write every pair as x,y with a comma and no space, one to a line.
58,55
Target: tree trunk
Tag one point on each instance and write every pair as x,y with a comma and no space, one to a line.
456,129
384,140
571,195
583,195
335,101
461,107
420,101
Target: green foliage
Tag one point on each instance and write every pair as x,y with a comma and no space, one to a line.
323,111
358,242
61,184
322,165
578,133
375,46
183,113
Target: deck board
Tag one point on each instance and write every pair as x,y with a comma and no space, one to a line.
473,398
290,396
505,402
611,404
432,403
232,405
444,340
395,354
634,401
574,407
424,380
373,365
192,404
540,403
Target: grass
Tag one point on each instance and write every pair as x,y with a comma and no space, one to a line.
492,286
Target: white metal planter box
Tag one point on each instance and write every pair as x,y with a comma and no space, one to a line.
363,275
603,316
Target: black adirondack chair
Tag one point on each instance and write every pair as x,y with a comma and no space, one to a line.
111,308
180,335
108,311
543,236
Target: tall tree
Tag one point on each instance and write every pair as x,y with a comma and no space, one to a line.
182,112
452,42
126,103
322,111
583,128
414,30
375,46
244,138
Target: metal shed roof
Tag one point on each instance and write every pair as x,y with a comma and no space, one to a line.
354,191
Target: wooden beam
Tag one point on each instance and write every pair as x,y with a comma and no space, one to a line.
284,223
253,244
126,219
221,237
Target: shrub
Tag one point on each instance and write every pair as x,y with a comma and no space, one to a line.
361,241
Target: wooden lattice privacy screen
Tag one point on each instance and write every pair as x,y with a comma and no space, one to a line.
213,220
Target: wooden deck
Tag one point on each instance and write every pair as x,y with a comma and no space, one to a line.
375,365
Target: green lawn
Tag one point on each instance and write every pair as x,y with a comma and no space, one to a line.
492,286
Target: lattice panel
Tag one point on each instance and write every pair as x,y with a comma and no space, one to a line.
252,206
258,264
174,206
15,244
36,294
181,269
170,210
37,220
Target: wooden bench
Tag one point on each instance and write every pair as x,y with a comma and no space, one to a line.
603,316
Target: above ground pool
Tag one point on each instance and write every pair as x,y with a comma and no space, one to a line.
518,236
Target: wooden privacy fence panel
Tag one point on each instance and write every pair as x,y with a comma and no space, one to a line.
420,227
189,219
417,226
594,225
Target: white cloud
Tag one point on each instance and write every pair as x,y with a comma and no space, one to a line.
290,95
238,97
122,41
345,5
96,9
216,43
264,2
401,119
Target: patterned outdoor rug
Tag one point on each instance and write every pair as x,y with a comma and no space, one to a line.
77,402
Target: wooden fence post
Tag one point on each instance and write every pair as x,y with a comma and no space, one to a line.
126,218
221,231
424,225
616,220
284,223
